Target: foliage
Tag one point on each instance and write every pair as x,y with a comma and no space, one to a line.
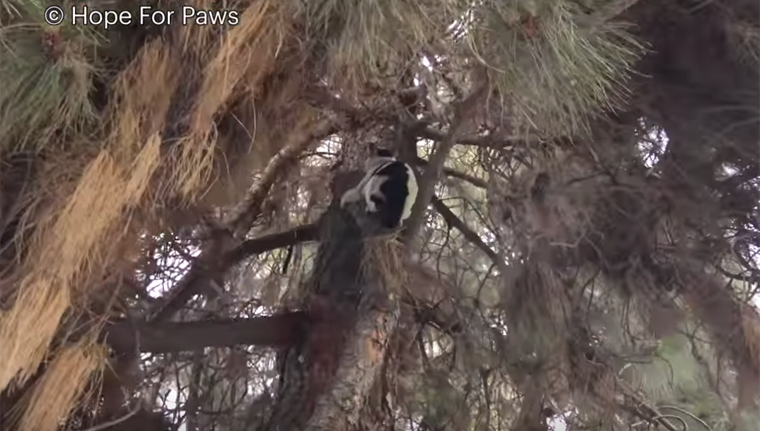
588,256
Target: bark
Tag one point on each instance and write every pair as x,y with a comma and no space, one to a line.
164,337
327,375
361,359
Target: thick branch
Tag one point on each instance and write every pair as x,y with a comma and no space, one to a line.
360,363
433,172
163,337
270,242
216,261
343,277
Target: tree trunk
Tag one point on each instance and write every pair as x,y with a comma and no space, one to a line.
328,373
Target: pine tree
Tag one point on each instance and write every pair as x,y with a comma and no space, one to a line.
581,254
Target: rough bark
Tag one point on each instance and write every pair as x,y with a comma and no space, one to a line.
361,358
164,337
328,374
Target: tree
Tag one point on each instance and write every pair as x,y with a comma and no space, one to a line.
581,253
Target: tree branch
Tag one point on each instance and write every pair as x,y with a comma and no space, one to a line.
163,337
270,242
438,136
612,9
239,221
475,181
322,97
360,360
243,215
433,172
452,220
213,263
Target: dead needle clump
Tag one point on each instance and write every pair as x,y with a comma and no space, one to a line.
112,183
252,45
87,215
25,337
63,386
66,254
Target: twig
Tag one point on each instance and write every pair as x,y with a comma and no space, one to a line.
651,413
116,421
661,417
477,182
689,414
